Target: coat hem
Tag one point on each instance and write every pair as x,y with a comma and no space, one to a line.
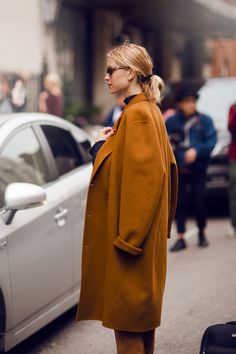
119,328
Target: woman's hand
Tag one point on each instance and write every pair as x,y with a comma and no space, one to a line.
105,133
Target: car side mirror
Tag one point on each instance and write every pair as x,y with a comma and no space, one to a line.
19,196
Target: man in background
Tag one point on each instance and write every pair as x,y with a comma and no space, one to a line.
116,111
193,136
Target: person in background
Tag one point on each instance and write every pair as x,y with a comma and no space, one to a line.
51,100
169,107
193,137
232,167
18,95
168,113
116,111
130,207
5,99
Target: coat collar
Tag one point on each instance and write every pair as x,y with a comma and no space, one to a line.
138,98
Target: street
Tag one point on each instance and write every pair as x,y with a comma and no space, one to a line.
200,291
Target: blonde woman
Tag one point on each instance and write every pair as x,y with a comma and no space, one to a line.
51,100
130,208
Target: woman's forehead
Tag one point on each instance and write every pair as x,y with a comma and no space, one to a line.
111,62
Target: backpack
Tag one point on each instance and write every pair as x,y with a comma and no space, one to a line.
219,339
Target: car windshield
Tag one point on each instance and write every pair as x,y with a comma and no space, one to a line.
216,97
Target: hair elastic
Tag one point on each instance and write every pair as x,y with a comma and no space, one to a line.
146,79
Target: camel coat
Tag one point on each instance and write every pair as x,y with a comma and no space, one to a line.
130,207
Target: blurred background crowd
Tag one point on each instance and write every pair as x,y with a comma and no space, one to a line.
188,40
52,60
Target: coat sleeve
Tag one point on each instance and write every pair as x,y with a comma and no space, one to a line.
141,186
210,138
95,148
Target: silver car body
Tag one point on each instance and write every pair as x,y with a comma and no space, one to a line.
216,97
40,251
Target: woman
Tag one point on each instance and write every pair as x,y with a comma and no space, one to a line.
130,207
51,100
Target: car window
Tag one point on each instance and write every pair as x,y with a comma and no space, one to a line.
22,160
216,97
85,147
64,148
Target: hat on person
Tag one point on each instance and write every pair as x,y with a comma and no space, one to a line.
184,93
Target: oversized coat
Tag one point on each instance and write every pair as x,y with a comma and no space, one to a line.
130,207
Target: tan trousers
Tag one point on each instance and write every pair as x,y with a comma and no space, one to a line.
135,342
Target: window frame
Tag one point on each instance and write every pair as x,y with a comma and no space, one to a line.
37,137
50,156
49,159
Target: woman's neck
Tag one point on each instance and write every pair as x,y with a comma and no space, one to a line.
132,90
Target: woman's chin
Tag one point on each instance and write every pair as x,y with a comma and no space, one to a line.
112,90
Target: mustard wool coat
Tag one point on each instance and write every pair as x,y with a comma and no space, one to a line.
130,207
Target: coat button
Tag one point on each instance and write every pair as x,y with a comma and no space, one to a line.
91,184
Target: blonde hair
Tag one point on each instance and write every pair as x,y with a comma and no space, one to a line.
54,79
136,57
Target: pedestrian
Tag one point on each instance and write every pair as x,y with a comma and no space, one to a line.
130,206
193,137
115,112
232,167
51,100
5,99
18,95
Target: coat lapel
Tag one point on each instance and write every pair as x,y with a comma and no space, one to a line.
108,146
105,150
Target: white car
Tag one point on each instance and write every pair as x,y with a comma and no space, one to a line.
40,248
216,97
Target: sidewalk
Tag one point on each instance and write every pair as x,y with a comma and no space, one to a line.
200,291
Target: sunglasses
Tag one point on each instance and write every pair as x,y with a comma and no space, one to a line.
111,70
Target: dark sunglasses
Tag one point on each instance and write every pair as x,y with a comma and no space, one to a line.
111,70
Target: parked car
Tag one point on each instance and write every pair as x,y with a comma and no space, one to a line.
215,98
216,95
40,248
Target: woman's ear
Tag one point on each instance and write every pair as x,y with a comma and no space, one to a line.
131,74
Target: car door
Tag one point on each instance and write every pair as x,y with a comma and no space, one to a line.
5,286
74,173
39,242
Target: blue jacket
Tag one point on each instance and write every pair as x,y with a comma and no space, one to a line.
196,132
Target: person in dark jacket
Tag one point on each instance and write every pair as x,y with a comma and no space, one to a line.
115,112
193,136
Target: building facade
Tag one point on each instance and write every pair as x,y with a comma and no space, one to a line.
187,39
